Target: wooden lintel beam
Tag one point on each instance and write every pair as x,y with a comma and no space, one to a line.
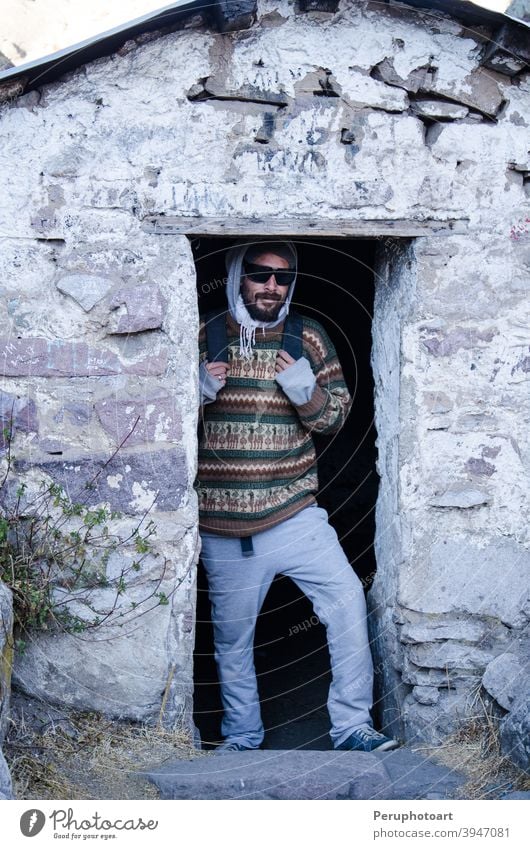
331,228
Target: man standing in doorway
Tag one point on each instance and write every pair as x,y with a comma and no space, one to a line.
257,484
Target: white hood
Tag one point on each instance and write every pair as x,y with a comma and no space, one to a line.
238,311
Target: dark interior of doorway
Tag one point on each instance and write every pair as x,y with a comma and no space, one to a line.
335,286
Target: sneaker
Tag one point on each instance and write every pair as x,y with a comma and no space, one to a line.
233,746
367,739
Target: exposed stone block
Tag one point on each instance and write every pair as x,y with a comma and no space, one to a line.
479,467
419,676
149,366
449,654
461,496
505,677
480,90
362,93
461,337
144,309
460,576
437,109
472,422
86,289
67,161
319,83
29,101
385,72
130,483
209,88
361,193
121,672
75,413
515,731
426,695
437,402
45,221
432,724
159,419
450,628
38,357
16,414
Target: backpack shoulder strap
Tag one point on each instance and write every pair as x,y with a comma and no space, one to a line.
216,336
292,335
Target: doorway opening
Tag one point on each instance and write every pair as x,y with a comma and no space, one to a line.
335,286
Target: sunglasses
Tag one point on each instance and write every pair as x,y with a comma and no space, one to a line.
262,273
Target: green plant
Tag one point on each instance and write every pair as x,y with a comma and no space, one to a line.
55,555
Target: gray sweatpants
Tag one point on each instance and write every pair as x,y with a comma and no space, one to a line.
306,549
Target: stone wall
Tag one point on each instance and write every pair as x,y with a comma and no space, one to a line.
450,601
369,113
99,342
6,662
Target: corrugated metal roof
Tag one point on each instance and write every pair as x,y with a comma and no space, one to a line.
49,68
469,13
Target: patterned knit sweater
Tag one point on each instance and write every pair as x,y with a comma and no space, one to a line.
257,461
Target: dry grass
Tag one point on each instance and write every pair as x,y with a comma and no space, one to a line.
86,756
475,751
89,757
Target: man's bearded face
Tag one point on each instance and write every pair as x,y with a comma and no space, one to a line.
265,300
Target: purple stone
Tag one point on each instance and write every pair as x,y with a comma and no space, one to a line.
458,338
130,483
16,413
39,357
145,308
154,420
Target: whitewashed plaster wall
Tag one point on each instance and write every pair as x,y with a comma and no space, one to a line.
373,113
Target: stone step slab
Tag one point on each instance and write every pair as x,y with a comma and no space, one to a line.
302,774
413,776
